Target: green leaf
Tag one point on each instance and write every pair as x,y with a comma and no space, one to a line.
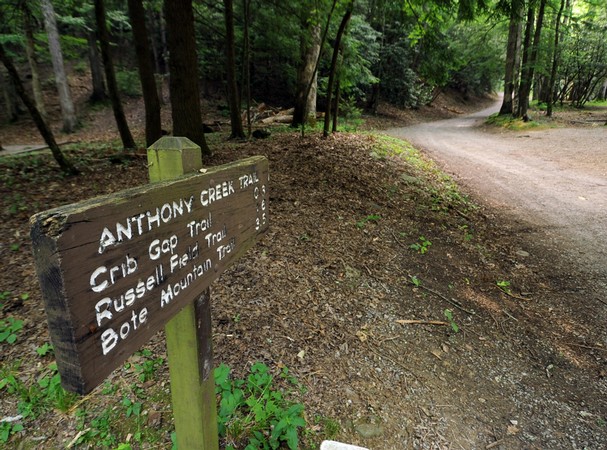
296,409
292,439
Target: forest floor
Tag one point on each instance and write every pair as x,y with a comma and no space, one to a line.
369,245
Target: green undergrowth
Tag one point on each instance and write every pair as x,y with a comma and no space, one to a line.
512,123
254,413
132,410
423,174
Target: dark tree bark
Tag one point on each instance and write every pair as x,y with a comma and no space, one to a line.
153,128
336,106
529,67
333,70
555,60
99,94
11,100
45,131
511,59
183,68
525,83
30,46
233,97
104,41
246,62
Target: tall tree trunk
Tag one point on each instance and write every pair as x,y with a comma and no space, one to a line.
555,60
11,100
333,70
310,111
518,64
305,98
98,94
153,128
246,62
233,97
30,50
104,41
336,106
511,59
525,82
68,112
313,80
45,131
183,66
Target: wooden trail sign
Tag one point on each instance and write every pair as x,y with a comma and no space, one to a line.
114,269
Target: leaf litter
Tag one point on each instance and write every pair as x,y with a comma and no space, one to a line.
326,293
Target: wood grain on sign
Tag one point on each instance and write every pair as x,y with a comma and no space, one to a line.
113,270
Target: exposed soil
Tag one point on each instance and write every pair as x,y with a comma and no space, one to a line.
323,291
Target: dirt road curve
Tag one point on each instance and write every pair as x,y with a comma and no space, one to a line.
554,179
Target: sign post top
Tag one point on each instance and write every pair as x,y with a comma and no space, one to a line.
162,164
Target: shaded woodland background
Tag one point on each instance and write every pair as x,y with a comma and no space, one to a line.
348,54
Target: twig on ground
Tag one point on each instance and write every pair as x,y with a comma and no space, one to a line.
587,346
510,294
421,322
453,302
494,444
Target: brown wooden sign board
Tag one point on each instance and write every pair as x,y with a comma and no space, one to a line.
113,270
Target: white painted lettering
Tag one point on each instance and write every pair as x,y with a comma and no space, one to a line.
143,222
217,192
214,238
155,218
158,247
196,227
109,339
106,239
93,280
103,313
123,231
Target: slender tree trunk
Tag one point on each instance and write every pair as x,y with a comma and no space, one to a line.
233,97
153,129
246,63
525,83
524,105
30,47
99,94
333,70
313,90
45,131
555,60
104,41
518,64
68,112
183,66
316,65
511,58
11,100
305,98
336,106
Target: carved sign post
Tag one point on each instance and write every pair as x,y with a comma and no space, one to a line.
116,269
